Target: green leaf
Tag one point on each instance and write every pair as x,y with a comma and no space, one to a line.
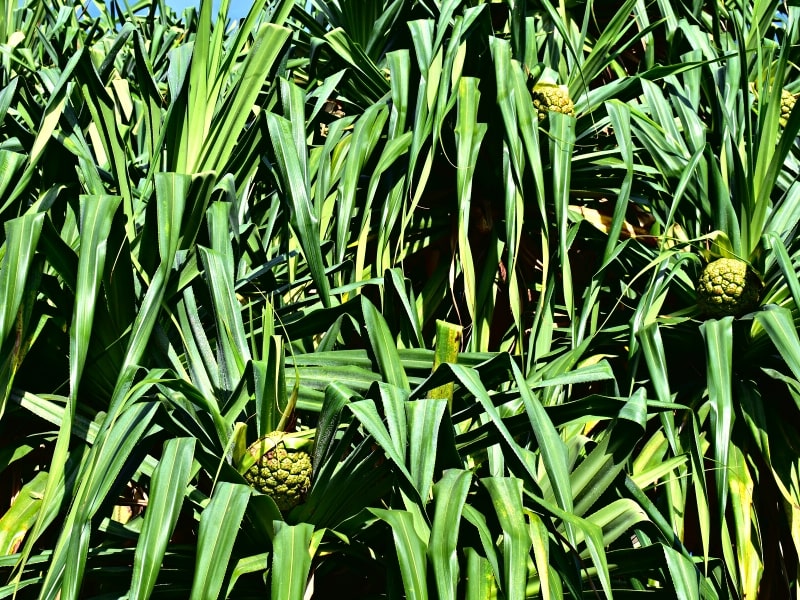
101,107
51,114
616,518
269,379
600,371
249,564
781,255
399,303
336,398
469,134
296,194
383,346
96,215
779,325
11,164
167,491
605,462
291,560
232,116
22,514
551,446
367,131
506,494
367,414
424,420
488,543
449,494
366,71
411,551
230,329
22,236
562,142
481,584
653,348
683,574
219,525
541,552
111,452
394,402
718,335
172,194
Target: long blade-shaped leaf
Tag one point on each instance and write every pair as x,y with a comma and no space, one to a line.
541,551
22,236
107,458
269,378
653,348
367,414
167,490
562,141
600,468
367,131
21,516
394,401
718,336
684,575
448,343
481,583
230,328
291,560
424,419
232,116
101,107
219,525
449,494
779,325
410,551
96,215
552,447
384,347
296,192
506,496
469,134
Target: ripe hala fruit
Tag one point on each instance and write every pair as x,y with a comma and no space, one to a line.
787,104
788,100
549,97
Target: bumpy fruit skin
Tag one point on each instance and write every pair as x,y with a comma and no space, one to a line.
548,97
281,472
787,104
727,286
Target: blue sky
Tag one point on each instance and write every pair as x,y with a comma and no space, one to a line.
237,9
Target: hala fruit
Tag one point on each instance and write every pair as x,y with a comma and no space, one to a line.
279,465
728,286
548,97
787,104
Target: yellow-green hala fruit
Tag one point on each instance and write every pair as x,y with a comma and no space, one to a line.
548,97
728,286
787,104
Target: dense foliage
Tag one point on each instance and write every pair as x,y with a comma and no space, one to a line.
456,243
